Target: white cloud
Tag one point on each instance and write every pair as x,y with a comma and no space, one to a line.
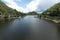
41,4
46,4
13,5
33,5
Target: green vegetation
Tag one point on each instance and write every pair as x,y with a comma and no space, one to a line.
7,11
32,13
52,13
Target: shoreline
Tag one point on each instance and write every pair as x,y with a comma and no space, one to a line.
53,20
10,17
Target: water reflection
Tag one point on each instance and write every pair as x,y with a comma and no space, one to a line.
4,22
29,28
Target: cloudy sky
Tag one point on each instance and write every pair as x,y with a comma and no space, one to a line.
30,5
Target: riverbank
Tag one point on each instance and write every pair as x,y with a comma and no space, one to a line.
9,17
53,20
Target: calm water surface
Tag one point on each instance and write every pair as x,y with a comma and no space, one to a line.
28,28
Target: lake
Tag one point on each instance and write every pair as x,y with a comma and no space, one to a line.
28,28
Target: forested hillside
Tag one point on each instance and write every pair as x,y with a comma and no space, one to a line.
5,10
53,11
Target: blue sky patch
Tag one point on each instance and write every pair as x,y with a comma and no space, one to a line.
22,3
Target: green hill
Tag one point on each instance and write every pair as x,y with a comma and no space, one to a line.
52,14
5,10
53,11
